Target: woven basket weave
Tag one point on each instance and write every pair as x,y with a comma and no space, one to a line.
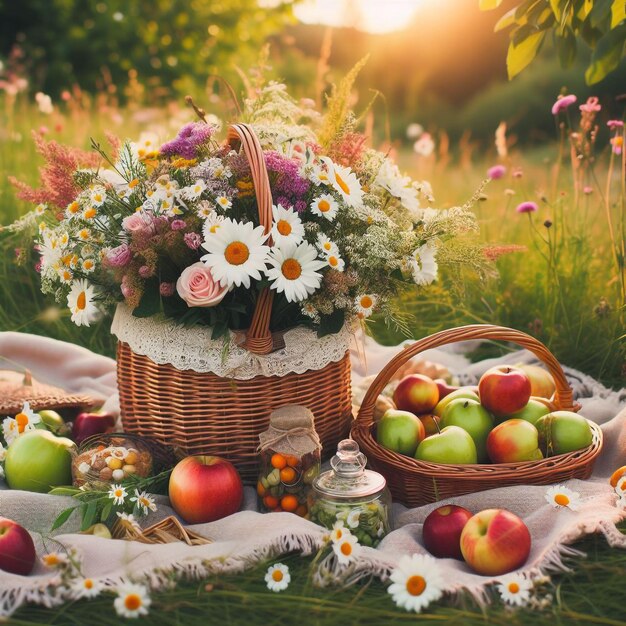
203,413
415,483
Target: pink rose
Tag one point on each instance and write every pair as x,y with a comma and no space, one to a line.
197,287
118,257
138,222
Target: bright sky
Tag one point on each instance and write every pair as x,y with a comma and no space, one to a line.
376,16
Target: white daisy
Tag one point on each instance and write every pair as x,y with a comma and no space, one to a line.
309,310
147,143
80,301
54,559
423,264
144,501
336,262
236,253
118,494
353,518
128,520
13,427
3,453
132,600
294,270
339,531
84,234
416,582
87,265
205,210
365,304
98,195
90,213
326,245
224,202
345,182
50,249
346,548
620,486
277,577
515,589
40,209
65,274
287,226
560,496
86,588
194,191
325,206
319,176
73,210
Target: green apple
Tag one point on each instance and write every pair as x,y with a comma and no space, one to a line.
531,412
38,461
452,445
472,417
563,431
400,431
468,393
53,421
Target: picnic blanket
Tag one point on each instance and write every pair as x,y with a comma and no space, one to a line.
248,537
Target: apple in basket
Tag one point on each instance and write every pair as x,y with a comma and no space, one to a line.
504,390
444,388
442,531
452,445
469,393
541,382
472,417
531,412
563,431
400,431
513,441
204,489
88,424
431,423
416,393
494,542
38,461
17,550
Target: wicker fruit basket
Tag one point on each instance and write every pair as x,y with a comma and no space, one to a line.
204,413
415,483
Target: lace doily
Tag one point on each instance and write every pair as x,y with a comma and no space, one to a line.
166,342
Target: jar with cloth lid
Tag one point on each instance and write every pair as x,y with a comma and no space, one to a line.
289,460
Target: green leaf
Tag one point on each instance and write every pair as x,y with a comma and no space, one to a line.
556,9
618,13
489,5
520,56
508,19
607,55
63,517
150,303
64,491
600,12
566,47
331,324
89,515
106,511
219,330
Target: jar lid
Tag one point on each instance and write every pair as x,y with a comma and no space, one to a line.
348,477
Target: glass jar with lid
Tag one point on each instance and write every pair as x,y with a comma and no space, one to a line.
351,494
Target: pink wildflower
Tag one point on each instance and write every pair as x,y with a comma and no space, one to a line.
178,224
587,190
562,103
496,172
591,106
193,240
527,207
614,124
167,289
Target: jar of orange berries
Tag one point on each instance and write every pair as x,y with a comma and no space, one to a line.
289,460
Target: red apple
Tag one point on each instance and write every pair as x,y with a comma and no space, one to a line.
444,388
504,390
88,424
442,531
417,394
432,423
541,381
204,489
494,542
17,550
512,441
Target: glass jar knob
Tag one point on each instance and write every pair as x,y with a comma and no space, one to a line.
349,460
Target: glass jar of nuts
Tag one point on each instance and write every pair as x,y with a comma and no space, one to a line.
107,459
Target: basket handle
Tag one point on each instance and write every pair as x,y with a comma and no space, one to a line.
563,396
258,337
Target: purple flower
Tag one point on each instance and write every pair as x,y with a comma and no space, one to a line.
496,172
526,207
300,206
613,124
189,138
562,103
591,106
118,257
167,289
193,240
178,224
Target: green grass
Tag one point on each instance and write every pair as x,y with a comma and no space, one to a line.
591,594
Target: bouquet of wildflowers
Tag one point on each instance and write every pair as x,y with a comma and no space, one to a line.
172,228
